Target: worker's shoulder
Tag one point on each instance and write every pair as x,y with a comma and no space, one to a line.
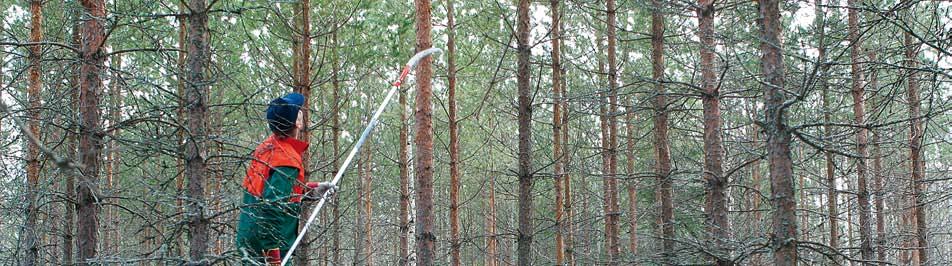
265,147
275,153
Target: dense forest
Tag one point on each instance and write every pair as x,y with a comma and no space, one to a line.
598,132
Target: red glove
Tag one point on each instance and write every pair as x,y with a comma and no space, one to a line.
313,185
272,256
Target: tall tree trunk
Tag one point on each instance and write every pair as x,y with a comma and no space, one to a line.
335,124
849,222
492,255
30,237
916,134
196,95
804,203
906,256
367,202
784,239
603,145
404,184
632,184
568,224
176,249
663,160
716,205
359,231
301,75
455,241
859,113
111,242
606,162
877,171
525,234
614,247
71,146
558,167
832,211
93,36
755,198
425,234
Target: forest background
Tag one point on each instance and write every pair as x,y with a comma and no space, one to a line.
560,132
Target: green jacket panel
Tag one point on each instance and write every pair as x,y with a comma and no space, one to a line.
271,221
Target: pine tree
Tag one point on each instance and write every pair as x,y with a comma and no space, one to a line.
558,167
455,241
784,238
92,36
716,182
30,237
661,145
916,162
425,231
196,97
859,113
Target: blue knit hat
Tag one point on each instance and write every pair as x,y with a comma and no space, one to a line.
282,112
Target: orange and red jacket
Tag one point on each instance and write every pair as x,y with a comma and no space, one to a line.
272,153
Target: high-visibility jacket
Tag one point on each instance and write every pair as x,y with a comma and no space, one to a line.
272,153
271,204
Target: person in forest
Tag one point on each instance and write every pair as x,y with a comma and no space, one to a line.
274,187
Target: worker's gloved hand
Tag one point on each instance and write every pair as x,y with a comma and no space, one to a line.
272,257
318,189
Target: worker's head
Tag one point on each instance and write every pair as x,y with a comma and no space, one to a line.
284,115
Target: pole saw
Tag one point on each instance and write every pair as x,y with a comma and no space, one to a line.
360,142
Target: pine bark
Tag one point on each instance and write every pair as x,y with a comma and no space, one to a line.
604,144
917,163
335,123
30,232
492,253
69,209
425,234
859,113
525,232
906,255
877,156
632,183
30,235
404,184
92,53
755,197
832,211
301,65
455,241
606,164
661,146
716,205
180,112
784,239
558,167
367,204
566,153
301,83
614,248
111,233
196,97
849,221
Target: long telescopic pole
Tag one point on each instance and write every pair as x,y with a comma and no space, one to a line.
360,142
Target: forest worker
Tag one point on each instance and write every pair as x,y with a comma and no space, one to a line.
275,185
